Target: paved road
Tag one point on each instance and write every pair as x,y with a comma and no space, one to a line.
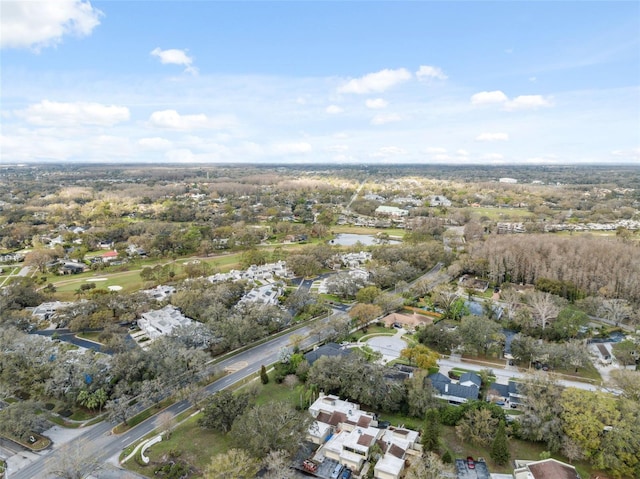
503,375
67,336
98,442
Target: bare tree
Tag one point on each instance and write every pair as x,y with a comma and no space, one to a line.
615,310
236,463
278,465
73,461
544,307
166,422
429,466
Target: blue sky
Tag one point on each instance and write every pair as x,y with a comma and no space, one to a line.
320,82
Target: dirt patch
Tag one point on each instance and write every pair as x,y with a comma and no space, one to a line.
232,368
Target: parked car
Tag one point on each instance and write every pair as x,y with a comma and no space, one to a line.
337,471
346,474
471,464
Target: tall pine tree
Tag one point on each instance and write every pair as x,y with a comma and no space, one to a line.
264,377
499,447
431,430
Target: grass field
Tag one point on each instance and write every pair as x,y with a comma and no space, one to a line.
360,230
497,214
130,279
190,443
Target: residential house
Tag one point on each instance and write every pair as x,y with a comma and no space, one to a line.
505,392
407,321
355,260
454,393
391,211
439,200
11,258
160,292
347,435
133,250
268,294
604,355
470,379
545,469
328,349
46,311
266,272
154,324
71,267
505,227
109,256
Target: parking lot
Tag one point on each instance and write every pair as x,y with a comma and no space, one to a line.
480,470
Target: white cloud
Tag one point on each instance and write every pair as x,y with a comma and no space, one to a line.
462,153
435,150
427,72
155,143
522,102
383,119
528,102
291,148
52,113
387,151
173,120
334,109
488,98
28,24
376,103
492,137
632,154
376,82
181,155
174,56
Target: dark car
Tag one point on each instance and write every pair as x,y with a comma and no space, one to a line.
346,474
471,464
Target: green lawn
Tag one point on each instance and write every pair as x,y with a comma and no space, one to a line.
497,214
193,444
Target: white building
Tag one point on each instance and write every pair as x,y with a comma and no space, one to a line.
162,321
391,211
266,272
439,200
46,311
264,294
160,292
347,434
354,260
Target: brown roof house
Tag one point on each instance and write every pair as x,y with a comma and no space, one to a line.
546,469
346,435
407,321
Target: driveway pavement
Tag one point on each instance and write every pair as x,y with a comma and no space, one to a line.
389,346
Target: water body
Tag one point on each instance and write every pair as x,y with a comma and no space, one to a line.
476,308
349,239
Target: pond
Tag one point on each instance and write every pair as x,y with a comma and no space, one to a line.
476,308
349,239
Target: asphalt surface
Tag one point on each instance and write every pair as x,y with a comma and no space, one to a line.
69,337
